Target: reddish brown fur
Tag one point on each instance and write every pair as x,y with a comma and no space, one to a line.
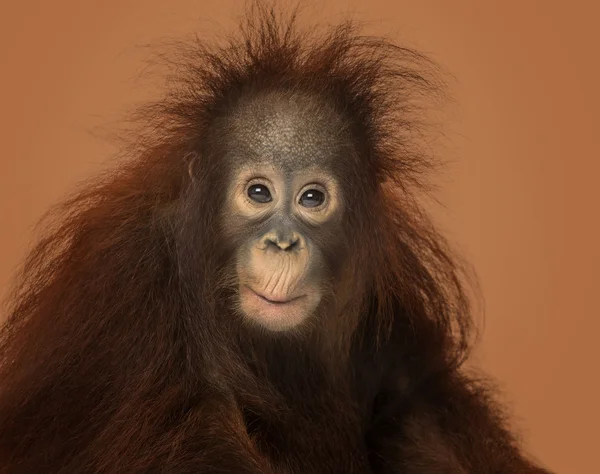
120,354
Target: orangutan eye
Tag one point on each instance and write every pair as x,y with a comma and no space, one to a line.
312,198
259,193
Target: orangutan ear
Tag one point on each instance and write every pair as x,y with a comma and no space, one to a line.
190,160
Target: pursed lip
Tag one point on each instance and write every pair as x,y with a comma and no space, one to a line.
277,301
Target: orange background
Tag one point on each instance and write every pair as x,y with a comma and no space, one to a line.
521,194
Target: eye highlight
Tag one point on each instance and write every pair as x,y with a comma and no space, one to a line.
259,193
312,198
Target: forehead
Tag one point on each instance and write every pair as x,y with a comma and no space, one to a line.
287,131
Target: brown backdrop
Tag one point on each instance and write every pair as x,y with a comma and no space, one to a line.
521,195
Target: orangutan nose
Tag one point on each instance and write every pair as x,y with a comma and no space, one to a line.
282,241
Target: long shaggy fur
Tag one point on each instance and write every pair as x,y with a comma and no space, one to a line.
119,354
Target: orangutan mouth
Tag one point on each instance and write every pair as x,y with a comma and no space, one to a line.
276,301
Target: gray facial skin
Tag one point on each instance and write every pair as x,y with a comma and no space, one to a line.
286,201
